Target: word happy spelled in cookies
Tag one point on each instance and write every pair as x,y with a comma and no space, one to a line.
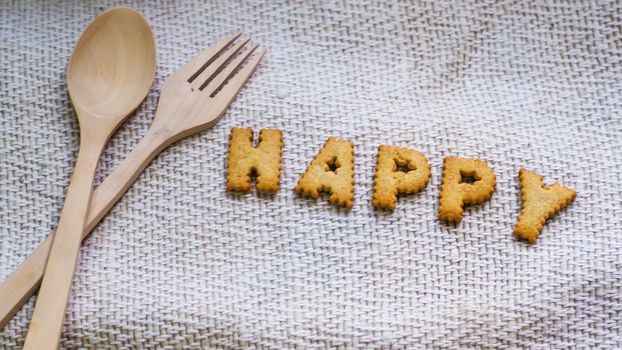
398,170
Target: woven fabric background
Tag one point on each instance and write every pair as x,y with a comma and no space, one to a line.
180,263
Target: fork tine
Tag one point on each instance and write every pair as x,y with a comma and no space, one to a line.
208,73
197,64
211,87
234,85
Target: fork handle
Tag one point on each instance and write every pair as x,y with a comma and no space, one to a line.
18,287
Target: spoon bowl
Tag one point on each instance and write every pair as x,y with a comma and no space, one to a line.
113,64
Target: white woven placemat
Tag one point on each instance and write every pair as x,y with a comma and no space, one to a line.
180,263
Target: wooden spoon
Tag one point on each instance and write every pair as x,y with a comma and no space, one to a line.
109,74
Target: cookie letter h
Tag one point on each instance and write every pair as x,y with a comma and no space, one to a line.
465,181
264,160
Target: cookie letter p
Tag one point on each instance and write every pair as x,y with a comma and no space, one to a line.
539,203
465,181
264,160
388,181
332,171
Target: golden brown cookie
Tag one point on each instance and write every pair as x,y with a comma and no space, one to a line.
539,203
332,171
388,181
465,181
264,160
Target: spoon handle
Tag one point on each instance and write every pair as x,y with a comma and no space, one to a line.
47,319
18,287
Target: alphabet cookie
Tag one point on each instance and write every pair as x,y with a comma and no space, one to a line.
388,181
332,170
264,160
465,181
539,203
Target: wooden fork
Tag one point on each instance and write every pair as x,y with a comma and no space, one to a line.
193,99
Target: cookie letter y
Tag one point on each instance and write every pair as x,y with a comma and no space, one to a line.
388,181
539,203
332,171
264,160
465,181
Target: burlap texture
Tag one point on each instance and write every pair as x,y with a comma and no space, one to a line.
180,263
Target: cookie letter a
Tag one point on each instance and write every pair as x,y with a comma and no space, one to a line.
332,171
264,160
539,203
388,181
465,181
